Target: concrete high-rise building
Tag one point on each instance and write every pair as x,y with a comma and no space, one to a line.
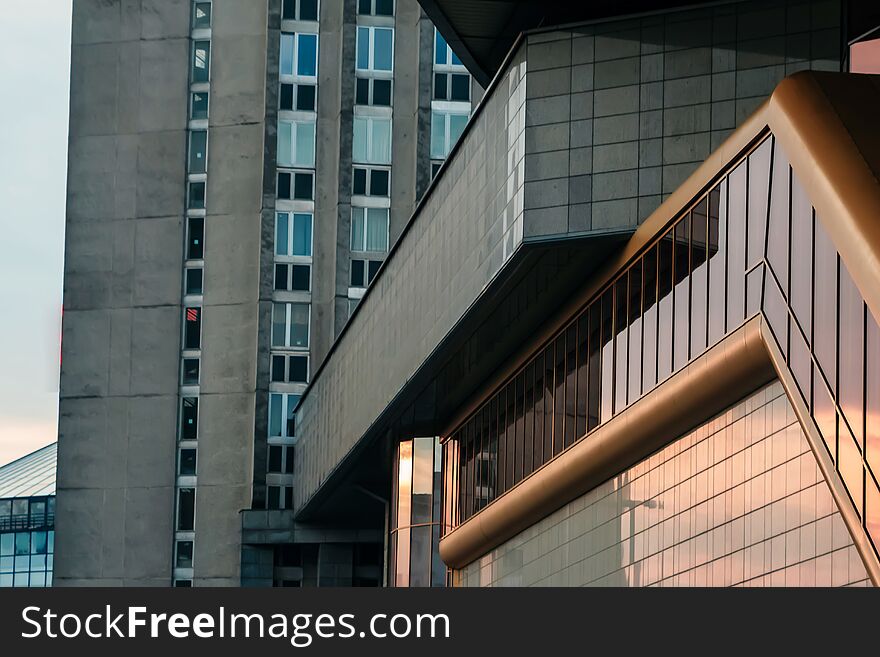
615,328
238,171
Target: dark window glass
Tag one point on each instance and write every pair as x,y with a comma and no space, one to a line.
372,269
357,273
196,195
493,447
186,509
190,371
183,583
365,7
800,295
649,320
288,460
273,497
825,302
194,281
288,10
699,277
538,412
582,351
189,418
510,436
184,555
621,322
187,461
200,105
283,184
634,383
664,306
681,293
384,7
195,241
192,333
201,60
851,317
382,92
308,10
570,385
301,277
759,188
362,91
420,556
461,88
379,182
607,386
519,431
501,469
286,97
549,385
778,229
559,396
275,458
736,244
440,86
529,420
299,369
302,186
278,363
280,277
359,182
202,15
305,97
595,365
198,145
716,252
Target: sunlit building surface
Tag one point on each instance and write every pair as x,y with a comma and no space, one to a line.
609,322
27,519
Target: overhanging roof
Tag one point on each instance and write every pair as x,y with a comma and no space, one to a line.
31,475
481,32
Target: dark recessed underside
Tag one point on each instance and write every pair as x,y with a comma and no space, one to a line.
481,32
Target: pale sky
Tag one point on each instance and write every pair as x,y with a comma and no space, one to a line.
34,86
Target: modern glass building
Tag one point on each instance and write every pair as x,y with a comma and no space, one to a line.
474,293
27,519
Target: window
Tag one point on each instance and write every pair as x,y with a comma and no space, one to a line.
369,229
443,55
196,196
198,151
277,494
446,128
376,7
189,418
299,55
300,97
280,459
303,10
201,15
375,48
184,556
364,271
186,509
293,278
193,280
369,91
281,424
290,369
372,140
293,234
452,86
371,182
190,372
195,238
296,143
187,462
435,168
199,106
192,328
201,61
298,186
290,325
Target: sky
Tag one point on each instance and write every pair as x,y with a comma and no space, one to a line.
35,83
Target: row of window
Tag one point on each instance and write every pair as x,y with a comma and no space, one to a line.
26,558
27,513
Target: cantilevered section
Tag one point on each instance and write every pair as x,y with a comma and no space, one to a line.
481,32
798,246
31,475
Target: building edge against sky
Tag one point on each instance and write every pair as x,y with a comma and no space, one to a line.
209,280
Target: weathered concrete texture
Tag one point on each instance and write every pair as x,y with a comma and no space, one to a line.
619,113
231,297
118,407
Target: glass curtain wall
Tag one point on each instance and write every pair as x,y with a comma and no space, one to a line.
752,244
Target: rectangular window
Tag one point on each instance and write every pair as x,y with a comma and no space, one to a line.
195,238
186,509
184,556
189,418
370,91
290,325
281,422
376,7
199,106
192,328
371,182
300,97
290,369
372,140
196,196
443,55
194,280
452,86
293,234
296,143
201,15
198,151
446,128
201,61
375,48
302,10
187,462
190,372
364,271
299,55
293,278
296,185
369,229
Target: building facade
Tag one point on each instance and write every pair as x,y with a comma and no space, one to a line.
27,519
615,328
238,171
